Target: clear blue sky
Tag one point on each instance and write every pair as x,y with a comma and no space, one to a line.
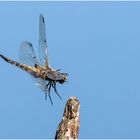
98,44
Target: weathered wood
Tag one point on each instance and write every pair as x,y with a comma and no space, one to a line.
69,126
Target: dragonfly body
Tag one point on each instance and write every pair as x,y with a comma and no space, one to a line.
32,70
44,76
39,72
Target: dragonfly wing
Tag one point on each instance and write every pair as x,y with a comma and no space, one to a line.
27,54
40,83
43,86
43,48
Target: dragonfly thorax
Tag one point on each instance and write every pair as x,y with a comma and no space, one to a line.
54,75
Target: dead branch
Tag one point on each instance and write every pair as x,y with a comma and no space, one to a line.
69,126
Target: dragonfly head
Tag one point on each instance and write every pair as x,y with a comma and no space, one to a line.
64,77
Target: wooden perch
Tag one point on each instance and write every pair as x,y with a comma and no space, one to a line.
69,126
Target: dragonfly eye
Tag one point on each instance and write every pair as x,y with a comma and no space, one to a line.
61,81
63,78
65,75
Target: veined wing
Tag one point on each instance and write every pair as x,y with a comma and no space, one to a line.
43,86
43,48
27,54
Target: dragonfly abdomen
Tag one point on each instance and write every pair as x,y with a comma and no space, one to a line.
10,61
29,69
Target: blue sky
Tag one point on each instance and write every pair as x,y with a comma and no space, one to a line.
98,44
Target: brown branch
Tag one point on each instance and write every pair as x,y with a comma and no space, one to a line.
69,126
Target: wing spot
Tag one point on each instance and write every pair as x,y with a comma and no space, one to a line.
30,44
43,19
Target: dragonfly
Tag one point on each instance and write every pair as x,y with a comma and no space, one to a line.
40,70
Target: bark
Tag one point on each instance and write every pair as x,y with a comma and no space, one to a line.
69,126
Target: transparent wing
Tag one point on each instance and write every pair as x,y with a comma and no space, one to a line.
27,54
43,86
43,48
40,83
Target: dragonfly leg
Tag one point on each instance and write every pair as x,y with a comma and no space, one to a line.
45,95
50,98
54,87
46,89
49,88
